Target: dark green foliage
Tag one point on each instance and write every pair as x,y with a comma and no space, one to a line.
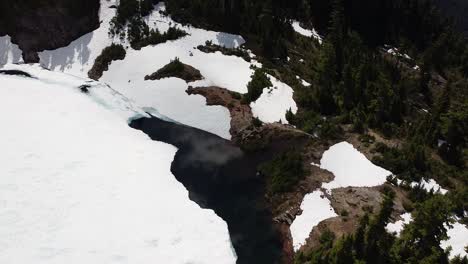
140,36
308,121
176,69
459,200
420,241
290,116
311,122
209,47
256,122
256,85
454,127
137,32
146,6
126,10
130,9
174,66
265,21
321,255
102,62
130,14
330,129
283,172
236,95
155,37
409,163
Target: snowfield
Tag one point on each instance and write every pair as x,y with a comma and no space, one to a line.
274,102
315,208
78,185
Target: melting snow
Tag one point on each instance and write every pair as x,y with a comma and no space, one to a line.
316,208
399,225
79,185
274,102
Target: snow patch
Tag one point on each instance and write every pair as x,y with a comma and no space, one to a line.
303,82
315,208
351,168
306,32
274,102
79,185
458,240
399,225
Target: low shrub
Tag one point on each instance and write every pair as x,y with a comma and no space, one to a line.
283,172
102,62
256,85
176,69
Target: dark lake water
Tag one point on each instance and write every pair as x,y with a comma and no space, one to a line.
220,176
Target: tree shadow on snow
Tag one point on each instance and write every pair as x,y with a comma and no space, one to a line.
9,53
77,52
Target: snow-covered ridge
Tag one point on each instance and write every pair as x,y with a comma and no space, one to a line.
79,185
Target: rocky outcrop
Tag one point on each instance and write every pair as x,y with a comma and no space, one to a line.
176,69
48,24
